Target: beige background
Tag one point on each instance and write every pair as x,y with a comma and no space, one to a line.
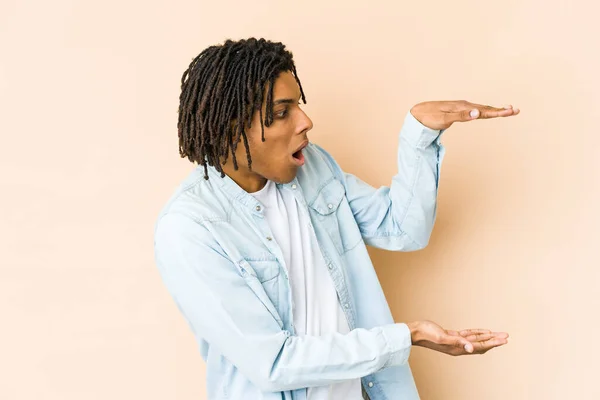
88,155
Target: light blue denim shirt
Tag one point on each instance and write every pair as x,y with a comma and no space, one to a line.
215,253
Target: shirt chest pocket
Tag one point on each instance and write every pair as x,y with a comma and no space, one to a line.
266,270
331,209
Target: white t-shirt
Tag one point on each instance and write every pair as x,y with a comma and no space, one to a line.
316,308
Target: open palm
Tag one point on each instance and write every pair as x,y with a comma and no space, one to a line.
456,343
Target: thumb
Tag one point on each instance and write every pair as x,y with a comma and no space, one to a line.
458,342
468,346
465,115
463,343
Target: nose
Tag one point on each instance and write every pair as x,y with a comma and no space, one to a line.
305,123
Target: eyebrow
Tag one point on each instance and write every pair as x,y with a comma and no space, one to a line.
286,101
283,101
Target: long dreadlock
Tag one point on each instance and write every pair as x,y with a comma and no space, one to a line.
220,91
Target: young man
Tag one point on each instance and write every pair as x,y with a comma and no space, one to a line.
263,246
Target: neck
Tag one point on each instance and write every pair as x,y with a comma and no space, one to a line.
244,178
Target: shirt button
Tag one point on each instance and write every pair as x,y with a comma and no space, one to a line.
294,186
258,208
269,238
330,266
346,305
330,206
370,384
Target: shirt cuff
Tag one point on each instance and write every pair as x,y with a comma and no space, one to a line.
399,343
418,134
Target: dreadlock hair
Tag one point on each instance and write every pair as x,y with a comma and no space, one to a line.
220,91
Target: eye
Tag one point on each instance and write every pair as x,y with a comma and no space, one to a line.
282,113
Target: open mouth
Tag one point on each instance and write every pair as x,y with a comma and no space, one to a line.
298,156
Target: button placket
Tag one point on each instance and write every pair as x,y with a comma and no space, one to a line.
259,209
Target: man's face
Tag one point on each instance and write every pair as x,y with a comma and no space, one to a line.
278,157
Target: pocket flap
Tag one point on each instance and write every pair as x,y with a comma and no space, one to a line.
329,198
262,269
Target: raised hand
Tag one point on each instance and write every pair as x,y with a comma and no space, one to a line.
442,114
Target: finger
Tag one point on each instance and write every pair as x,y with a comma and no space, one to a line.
492,112
482,337
469,106
466,332
459,105
479,337
459,342
477,111
482,347
469,333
